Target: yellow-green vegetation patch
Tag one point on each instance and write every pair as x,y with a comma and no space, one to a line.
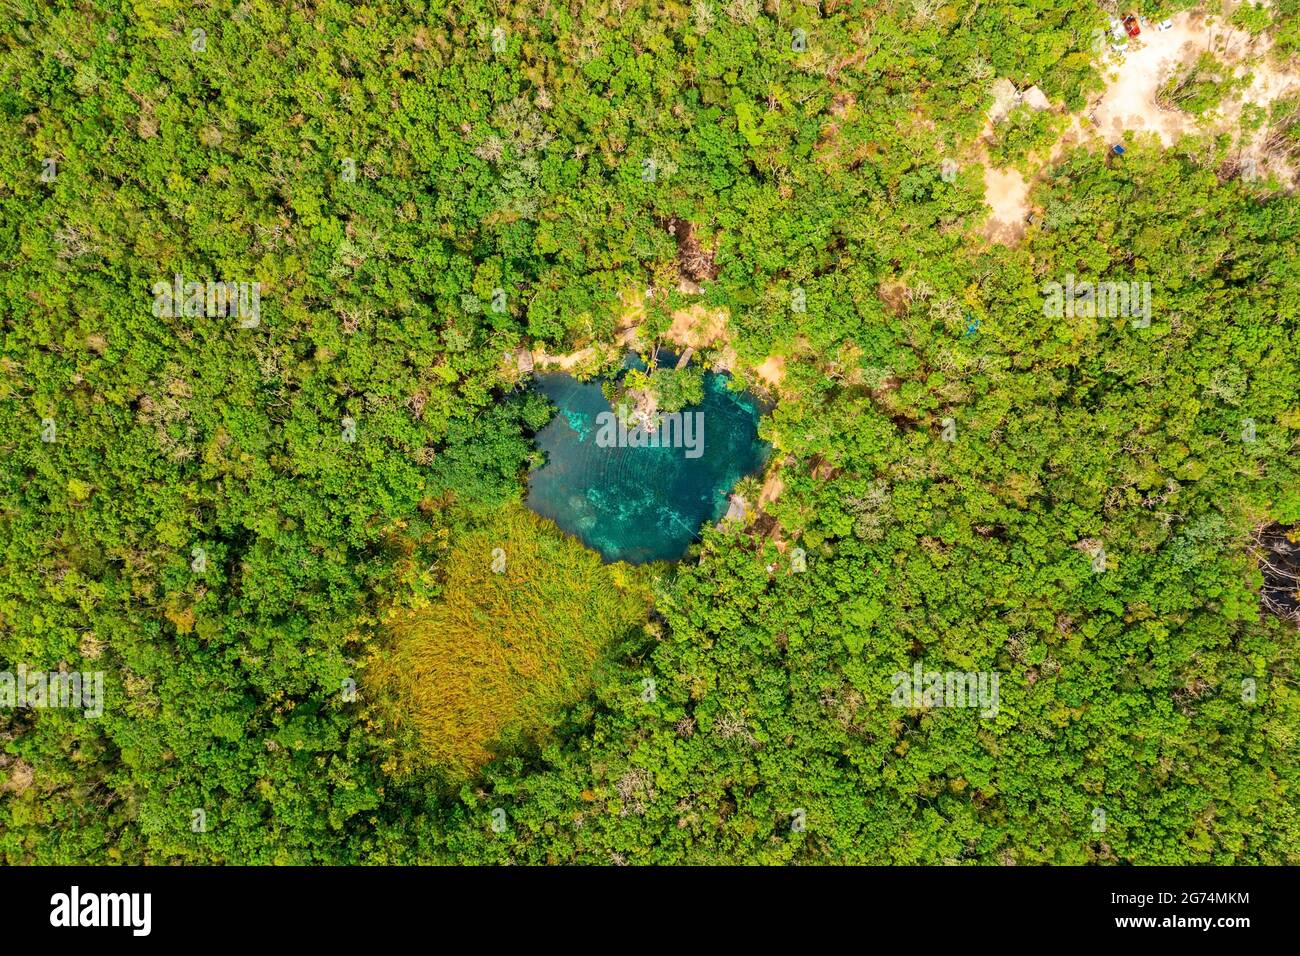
489,665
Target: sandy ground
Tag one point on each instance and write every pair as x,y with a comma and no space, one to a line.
697,327
771,370
1007,194
1006,191
1136,74
1129,104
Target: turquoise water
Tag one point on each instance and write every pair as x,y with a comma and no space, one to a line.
641,504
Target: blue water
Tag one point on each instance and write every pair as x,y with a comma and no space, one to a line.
640,504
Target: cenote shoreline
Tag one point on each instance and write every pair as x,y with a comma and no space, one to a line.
624,493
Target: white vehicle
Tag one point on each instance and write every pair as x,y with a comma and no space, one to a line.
1118,38
1165,25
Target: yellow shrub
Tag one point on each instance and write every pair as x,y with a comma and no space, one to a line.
525,611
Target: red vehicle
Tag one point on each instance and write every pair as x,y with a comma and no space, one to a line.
1131,26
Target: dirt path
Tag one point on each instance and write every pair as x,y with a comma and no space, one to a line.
772,488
